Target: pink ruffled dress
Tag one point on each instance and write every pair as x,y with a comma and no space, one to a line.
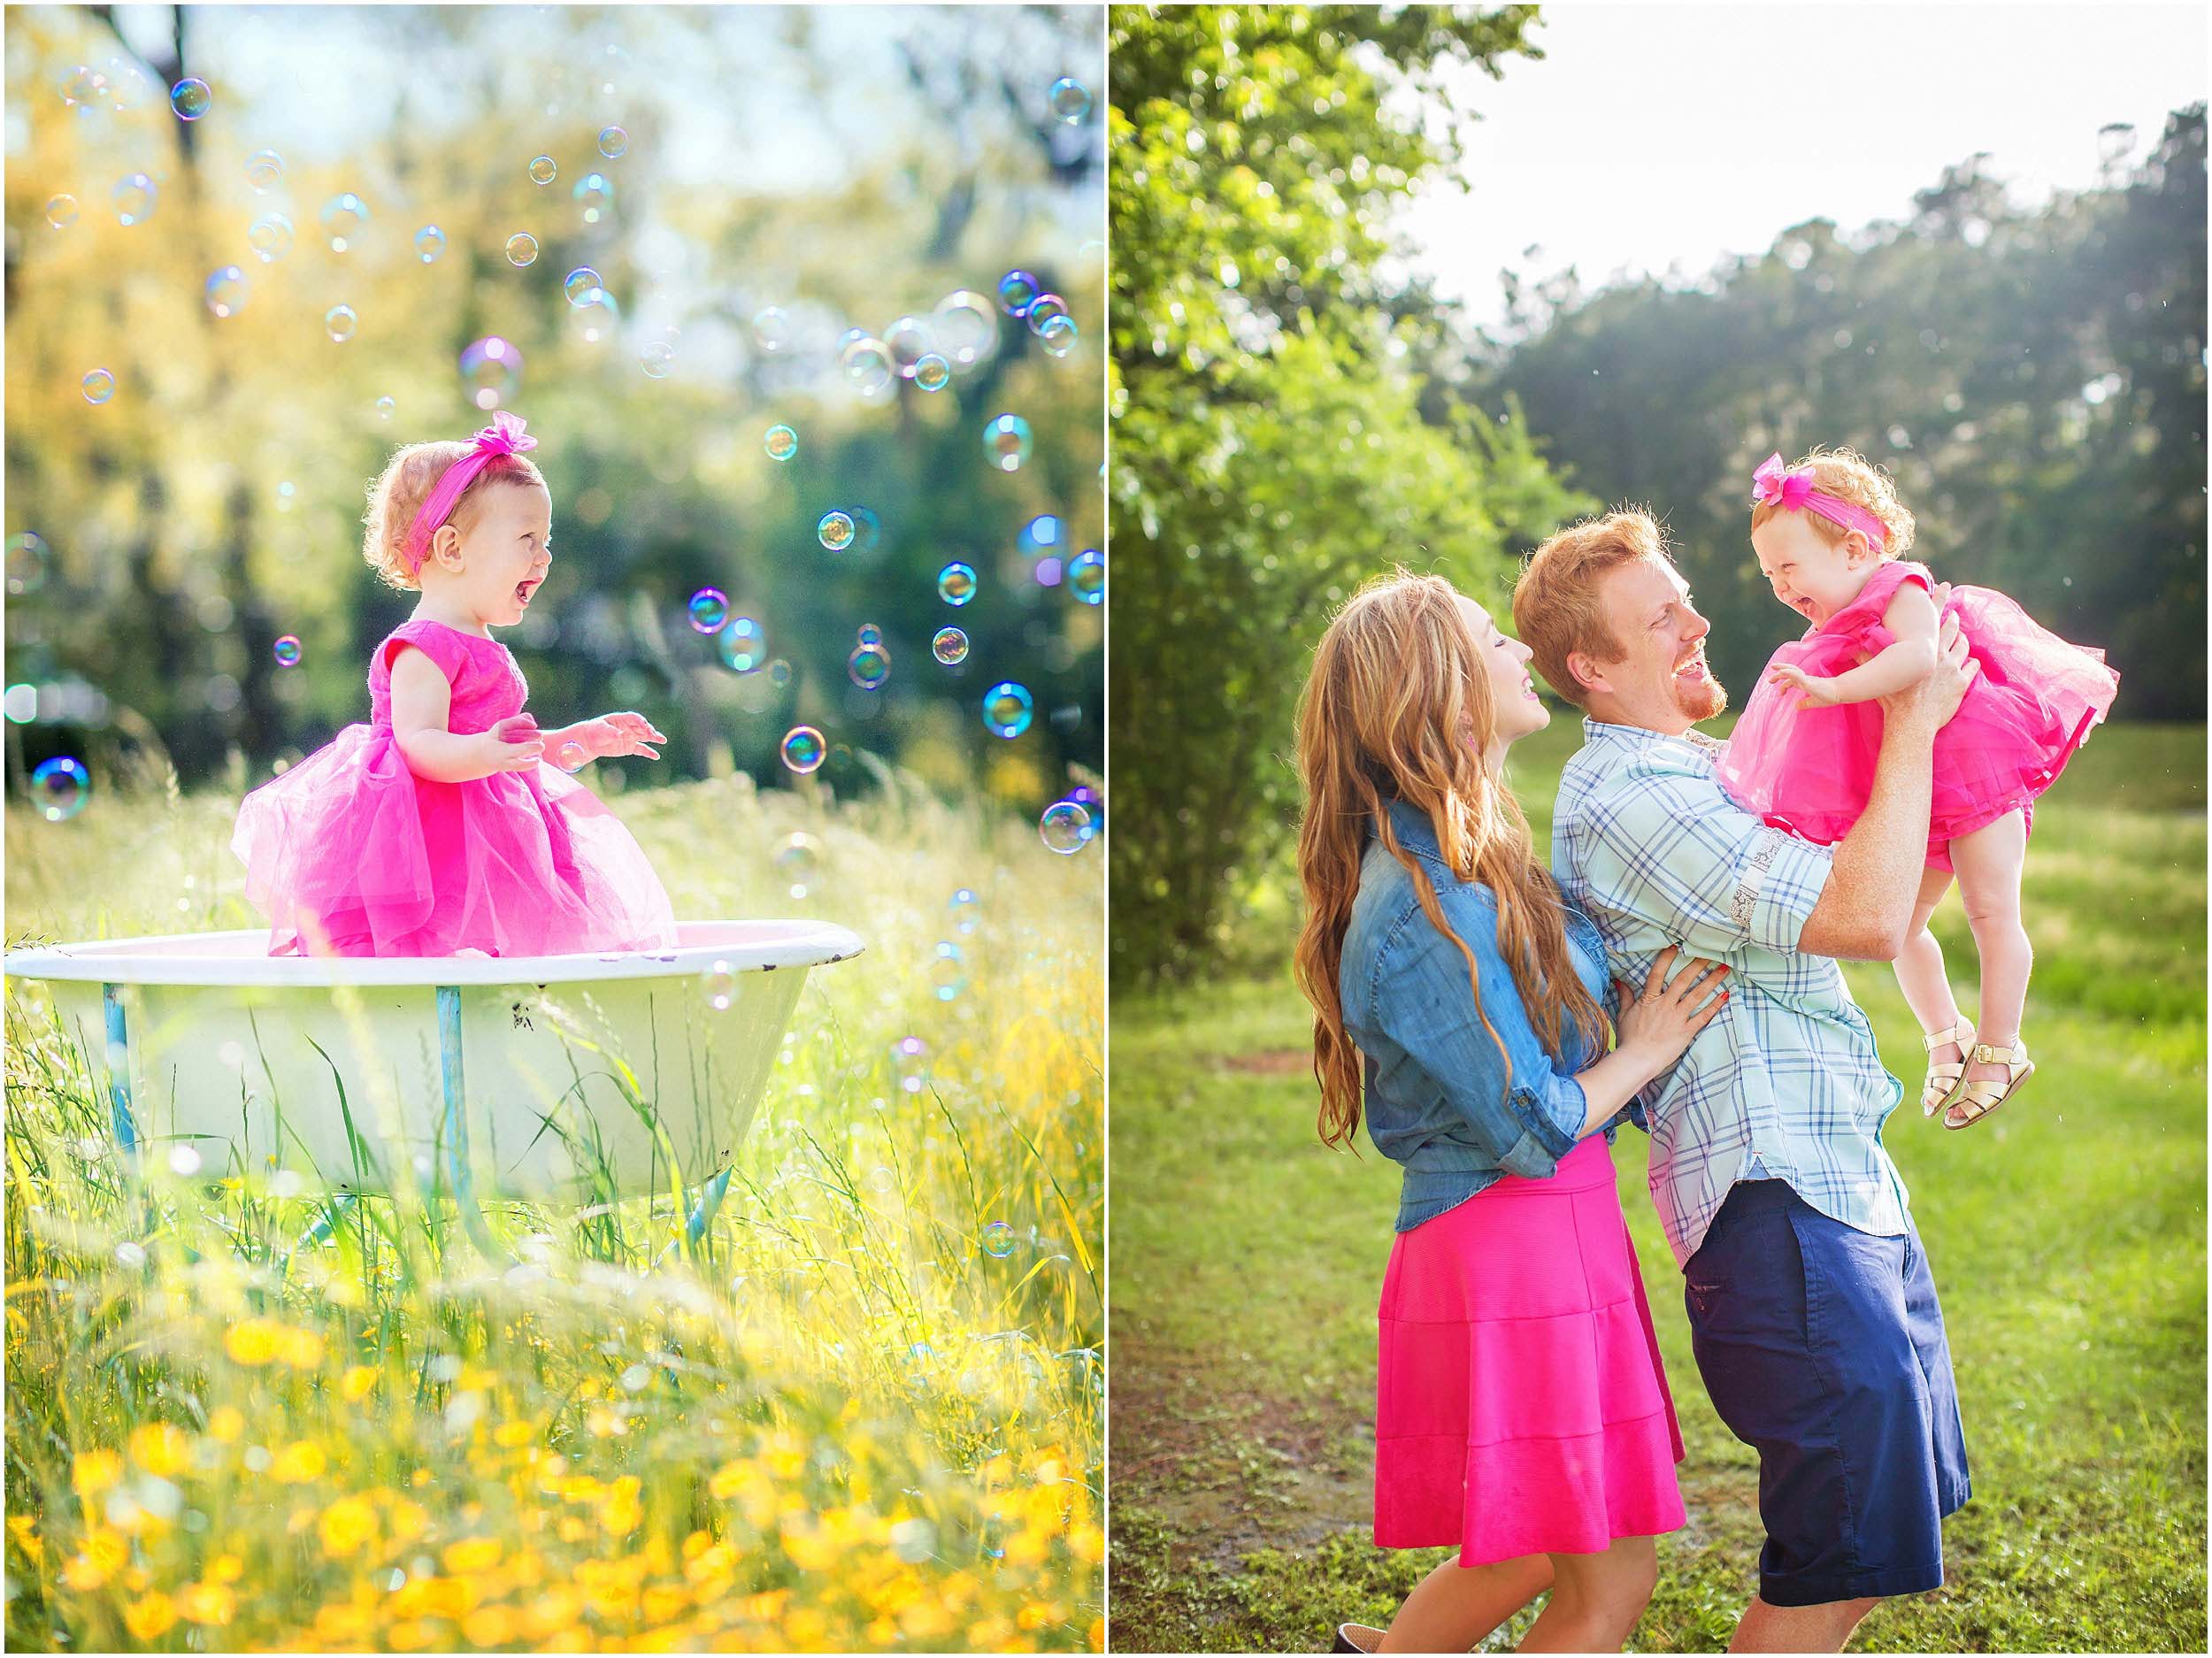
349,852
2037,697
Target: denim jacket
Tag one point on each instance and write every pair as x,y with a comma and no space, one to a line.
1440,1100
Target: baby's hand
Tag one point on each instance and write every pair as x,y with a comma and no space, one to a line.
614,734
514,744
1814,690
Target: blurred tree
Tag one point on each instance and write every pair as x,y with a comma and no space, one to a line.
1269,447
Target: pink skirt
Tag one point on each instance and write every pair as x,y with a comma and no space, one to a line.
1520,1405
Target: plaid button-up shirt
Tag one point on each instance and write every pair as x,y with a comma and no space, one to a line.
1646,843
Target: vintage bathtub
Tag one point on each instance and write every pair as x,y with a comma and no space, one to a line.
562,1077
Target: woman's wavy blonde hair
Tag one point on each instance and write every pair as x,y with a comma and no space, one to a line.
1398,706
405,483
1849,476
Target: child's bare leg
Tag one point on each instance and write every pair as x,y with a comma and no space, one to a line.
1455,1606
1989,861
1919,968
1595,1598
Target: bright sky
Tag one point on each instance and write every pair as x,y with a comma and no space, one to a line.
1665,131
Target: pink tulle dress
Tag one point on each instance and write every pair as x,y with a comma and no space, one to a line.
349,852
1809,770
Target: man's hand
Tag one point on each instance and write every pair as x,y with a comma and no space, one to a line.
1935,698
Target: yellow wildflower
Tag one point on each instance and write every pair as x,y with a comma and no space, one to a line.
92,1472
474,1553
208,1602
728,1480
508,1435
411,1636
408,1519
346,1525
301,1349
489,1626
342,1625
663,1603
24,1529
226,1423
299,1462
356,1382
160,1448
225,1568
151,1618
621,1514
253,1340
1087,1543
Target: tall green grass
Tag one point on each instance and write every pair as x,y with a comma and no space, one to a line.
852,1401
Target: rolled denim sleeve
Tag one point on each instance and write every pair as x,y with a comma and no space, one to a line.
1671,848
1520,1107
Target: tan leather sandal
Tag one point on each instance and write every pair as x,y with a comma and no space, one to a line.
1941,1085
1979,1099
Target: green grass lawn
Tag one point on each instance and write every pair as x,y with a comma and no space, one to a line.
2067,1235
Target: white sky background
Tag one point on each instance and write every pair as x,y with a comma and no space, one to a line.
1664,134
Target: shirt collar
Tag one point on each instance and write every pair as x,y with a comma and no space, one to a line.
1641,737
1415,833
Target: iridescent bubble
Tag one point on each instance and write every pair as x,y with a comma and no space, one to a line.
265,171
1042,534
796,860
81,86
933,373
955,584
908,341
708,609
1007,709
522,248
967,910
190,98
99,386
61,786
1018,291
1065,827
967,327
802,749
998,1240
949,646
771,329
1058,335
491,371
836,530
743,644
1006,441
580,284
1047,570
384,407
1043,310
866,363
1068,99
1087,576
909,1064
133,196
868,667
594,196
869,633
782,444
614,143
543,170
572,757
226,291
594,318
656,359
269,237
779,673
287,651
720,986
342,219
61,212
867,527
429,244
28,558
341,322
948,970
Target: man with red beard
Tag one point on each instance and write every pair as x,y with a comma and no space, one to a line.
1813,1316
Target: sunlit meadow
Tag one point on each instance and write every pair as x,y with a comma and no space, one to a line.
860,1410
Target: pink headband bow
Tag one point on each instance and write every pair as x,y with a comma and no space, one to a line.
503,437
1773,485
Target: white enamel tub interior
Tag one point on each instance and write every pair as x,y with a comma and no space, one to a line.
552,1076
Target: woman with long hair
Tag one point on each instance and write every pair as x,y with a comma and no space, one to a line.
1523,1417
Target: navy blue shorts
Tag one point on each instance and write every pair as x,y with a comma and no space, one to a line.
1823,1349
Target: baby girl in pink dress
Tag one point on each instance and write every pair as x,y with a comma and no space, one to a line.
1829,534
437,829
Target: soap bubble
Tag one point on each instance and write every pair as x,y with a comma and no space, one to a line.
710,608
656,359
771,329
543,170
908,341
190,98
967,910
341,322
429,244
932,372
594,196
614,143
1018,291
868,634
133,196
61,786
949,645
1042,534
998,1241
836,530
802,750
866,363
572,757
99,386
1007,709
1065,827
594,318
720,984
782,444
265,171
184,1160
580,284
948,970
1087,576
869,666
909,1064
1070,101
1006,440
28,560
1058,335
966,327
227,291
82,86
491,370
955,584
743,644
384,407
342,219
287,651
61,212
522,248
796,860
1043,311
269,237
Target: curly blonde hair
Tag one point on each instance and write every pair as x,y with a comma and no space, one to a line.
405,483
1850,476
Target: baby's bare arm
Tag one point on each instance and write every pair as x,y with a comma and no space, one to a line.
1911,619
421,701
